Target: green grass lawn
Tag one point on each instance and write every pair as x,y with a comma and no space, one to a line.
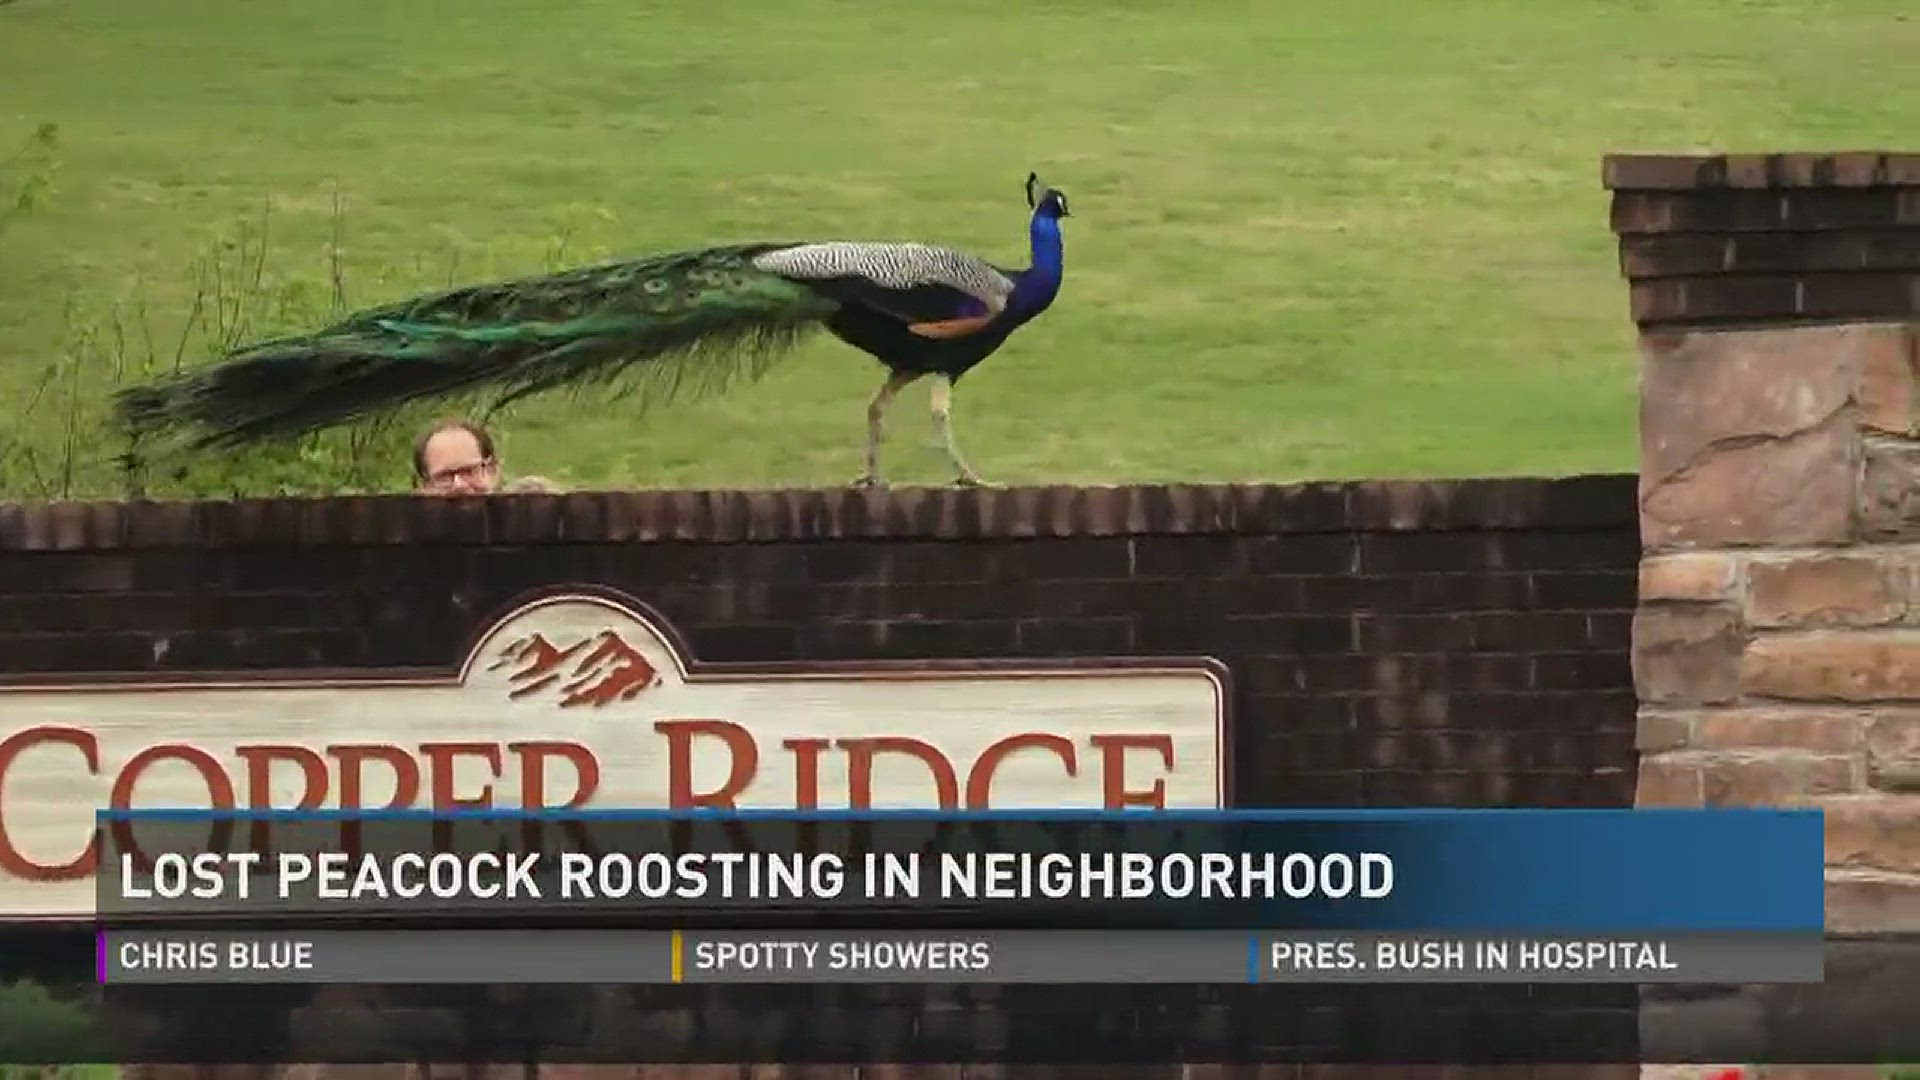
1309,240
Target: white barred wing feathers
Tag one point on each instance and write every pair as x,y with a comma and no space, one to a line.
911,271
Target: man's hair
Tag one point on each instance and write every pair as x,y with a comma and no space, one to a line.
472,428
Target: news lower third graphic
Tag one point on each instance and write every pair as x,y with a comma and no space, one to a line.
1164,897
990,957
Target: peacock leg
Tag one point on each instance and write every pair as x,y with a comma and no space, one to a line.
943,419
876,423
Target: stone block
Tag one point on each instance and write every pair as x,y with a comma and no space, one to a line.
1746,436
1816,729
1656,731
1773,781
1687,654
1692,575
1862,588
1873,832
1867,665
1889,394
1666,782
1871,902
1893,751
1890,489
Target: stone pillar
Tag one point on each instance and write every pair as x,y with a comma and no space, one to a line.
1777,642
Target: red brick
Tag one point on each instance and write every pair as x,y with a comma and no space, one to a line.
592,1072
701,1072
1827,210
1324,553
1704,173
1074,637
1635,212
1293,633
1521,631
1863,295
1383,632
1682,301
1612,548
1796,252
1894,250
1389,553
1673,256
1467,789
1478,731
1072,558
1580,670
1583,590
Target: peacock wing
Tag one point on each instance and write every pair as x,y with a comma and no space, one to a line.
915,283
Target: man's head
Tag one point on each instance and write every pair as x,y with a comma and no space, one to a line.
455,457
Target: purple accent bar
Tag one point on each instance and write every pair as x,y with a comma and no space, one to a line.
100,957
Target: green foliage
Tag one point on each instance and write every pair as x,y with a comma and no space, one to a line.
26,178
37,1026
73,447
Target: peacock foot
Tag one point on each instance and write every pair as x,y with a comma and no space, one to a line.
969,480
868,480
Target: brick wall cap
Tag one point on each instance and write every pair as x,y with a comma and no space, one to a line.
1695,172
731,516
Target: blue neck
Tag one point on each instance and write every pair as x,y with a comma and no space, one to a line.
1041,283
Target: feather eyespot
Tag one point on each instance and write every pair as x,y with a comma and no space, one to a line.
654,285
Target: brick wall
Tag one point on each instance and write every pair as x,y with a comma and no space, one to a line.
1777,648
1454,644
1390,644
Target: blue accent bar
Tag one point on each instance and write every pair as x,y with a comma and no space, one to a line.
1500,870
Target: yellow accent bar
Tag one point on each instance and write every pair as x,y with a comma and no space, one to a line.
679,958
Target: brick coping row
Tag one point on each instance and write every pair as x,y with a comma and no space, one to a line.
732,516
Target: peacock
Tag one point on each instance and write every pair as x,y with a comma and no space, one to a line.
665,325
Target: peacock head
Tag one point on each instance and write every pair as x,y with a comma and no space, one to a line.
1045,201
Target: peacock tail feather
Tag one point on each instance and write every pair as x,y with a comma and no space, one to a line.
668,325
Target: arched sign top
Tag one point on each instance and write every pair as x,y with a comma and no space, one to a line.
582,699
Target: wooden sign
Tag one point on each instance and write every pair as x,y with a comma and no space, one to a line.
584,700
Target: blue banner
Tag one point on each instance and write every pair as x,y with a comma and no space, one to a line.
1572,871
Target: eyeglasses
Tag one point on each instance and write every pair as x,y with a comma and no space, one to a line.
454,474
